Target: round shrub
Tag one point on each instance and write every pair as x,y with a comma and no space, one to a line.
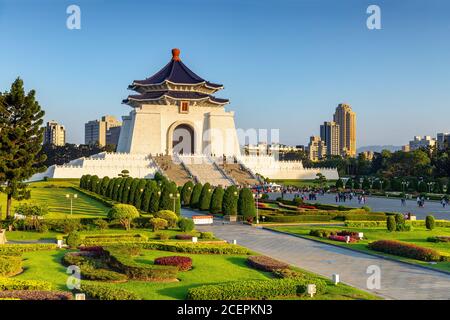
206,235
10,265
266,263
399,218
182,263
101,224
186,224
429,222
162,236
391,224
158,224
124,213
73,239
169,216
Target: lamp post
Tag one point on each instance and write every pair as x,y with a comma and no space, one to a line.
405,183
430,185
257,196
71,197
174,197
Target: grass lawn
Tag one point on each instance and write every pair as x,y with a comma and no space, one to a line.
418,237
208,269
53,194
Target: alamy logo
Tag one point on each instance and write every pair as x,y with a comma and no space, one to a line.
374,280
374,20
73,21
74,280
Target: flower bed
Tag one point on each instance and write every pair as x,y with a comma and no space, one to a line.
406,250
305,206
183,236
342,238
36,295
439,239
18,284
182,263
266,263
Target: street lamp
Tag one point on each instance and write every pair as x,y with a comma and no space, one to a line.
257,196
174,197
71,197
430,185
405,183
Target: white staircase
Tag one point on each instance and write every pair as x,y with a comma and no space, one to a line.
204,169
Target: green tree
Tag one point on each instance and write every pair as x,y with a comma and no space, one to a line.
104,185
149,190
116,190
205,197
366,184
93,183
139,193
339,184
349,184
154,199
169,216
170,198
230,201
186,192
321,180
216,200
21,136
124,173
429,222
126,189
186,225
195,196
246,203
124,213
391,224
158,223
132,193
110,188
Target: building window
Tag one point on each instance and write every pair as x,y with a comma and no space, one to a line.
184,107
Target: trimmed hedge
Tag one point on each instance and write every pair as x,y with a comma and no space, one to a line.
182,263
437,223
197,248
121,261
10,265
439,239
365,217
90,240
404,249
19,248
254,289
265,263
365,224
36,295
107,292
298,218
19,284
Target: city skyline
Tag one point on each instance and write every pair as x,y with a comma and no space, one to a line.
332,57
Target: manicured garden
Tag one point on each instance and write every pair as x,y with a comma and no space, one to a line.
418,236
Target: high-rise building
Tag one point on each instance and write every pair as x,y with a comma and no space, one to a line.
345,117
97,131
421,142
316,149
54,134
443,140
329,133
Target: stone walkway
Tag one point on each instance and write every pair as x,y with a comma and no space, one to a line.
398,280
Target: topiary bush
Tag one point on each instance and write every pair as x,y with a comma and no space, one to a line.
186,224
206,235
124,213
73,239
186,193
216,200
195,196
429,222
169,216
35,295
230,201
158,224
101,224
107,292
182,263
391,224
246,203
205,197
266,263
10,265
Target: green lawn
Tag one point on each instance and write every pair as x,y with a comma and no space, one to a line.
208,269
418,237
53,194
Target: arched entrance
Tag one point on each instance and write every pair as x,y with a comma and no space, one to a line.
182,139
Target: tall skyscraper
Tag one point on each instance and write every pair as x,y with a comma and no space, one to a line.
54,134
316,149
99,131
345,117
329,133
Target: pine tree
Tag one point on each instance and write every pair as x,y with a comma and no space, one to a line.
205,197
126,190
109,190
149,190
104,185
230,201
216,200
115,193
195,196
139,192
21,136
93,183
186,192
169,199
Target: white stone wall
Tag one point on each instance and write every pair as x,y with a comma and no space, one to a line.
268,167
151,130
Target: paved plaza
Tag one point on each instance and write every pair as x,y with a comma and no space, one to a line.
398,280
385,205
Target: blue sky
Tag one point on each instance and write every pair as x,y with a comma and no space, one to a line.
285,63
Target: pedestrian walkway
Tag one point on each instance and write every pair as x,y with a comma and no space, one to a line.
398,280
